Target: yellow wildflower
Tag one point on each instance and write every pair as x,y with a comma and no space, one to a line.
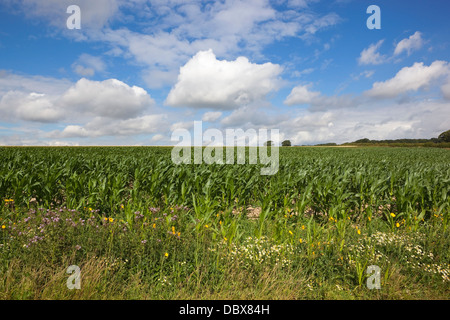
397,225
111,219
392,215
3,226
166,254
290,232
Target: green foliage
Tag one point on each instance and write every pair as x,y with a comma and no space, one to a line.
444,136
227,230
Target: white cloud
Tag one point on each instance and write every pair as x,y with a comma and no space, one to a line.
254,116
414,42
47,100
371,56
109,98
205,81
175,31
87,65
445,88
373,120
30,83
301,95
100,127
413,78
32,106
211,116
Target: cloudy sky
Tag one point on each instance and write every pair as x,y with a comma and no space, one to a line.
137,70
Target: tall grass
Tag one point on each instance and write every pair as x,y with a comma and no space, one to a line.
140,227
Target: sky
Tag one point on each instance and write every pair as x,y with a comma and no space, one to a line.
138,70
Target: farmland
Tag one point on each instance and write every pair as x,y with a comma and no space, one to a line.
141,227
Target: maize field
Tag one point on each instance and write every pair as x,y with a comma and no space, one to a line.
176,231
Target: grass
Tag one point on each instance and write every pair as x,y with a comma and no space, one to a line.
128,261
314,241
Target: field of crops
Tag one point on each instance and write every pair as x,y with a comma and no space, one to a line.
140,226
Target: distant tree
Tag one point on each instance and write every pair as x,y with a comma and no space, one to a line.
286,143
268,143
445,136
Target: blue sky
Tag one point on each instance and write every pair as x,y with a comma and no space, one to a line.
138,70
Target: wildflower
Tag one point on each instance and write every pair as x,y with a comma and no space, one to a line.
303,227
122,206
397,225
144,241
392,215
224,238
166,254
369,218
106,219
173,230
154,226
78,247
359,231
3,226
111,219
290,232
206,226
301,241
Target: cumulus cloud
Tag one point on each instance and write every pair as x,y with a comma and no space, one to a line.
211,116
32,83
36,107
371,55
40,99
445,88
205,81
408,79
302,95
109,98
414,42
373,119
87,65
253,116
99,127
